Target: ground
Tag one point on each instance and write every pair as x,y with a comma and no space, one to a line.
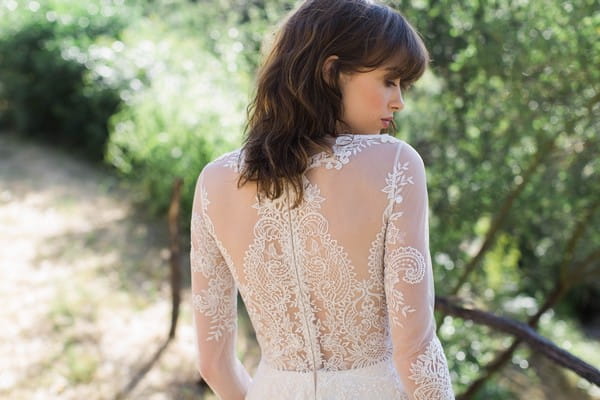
85,295
83,281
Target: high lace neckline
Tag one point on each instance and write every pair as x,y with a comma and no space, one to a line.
370,135
364,134
346,138
349,138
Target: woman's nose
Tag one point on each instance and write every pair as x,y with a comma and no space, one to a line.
397,102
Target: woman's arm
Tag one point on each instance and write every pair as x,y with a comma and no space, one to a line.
214,299
418,353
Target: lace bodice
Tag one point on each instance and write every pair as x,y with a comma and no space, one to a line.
340,283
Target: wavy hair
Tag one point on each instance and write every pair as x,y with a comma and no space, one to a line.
296,106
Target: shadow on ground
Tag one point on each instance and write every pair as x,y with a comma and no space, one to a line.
84,282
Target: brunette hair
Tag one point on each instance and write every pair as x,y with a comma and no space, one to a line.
298,104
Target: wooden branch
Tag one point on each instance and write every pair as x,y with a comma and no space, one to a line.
586,268
559,290
499,218
141,372
592,102
174,256
563,283
526,334
576,236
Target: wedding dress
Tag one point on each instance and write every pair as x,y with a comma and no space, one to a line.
339,290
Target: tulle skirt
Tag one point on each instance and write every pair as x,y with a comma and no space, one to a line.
379,381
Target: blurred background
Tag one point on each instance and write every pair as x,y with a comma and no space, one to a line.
105,103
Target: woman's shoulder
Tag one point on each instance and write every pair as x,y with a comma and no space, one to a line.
384,142
230,160
221,168
398,154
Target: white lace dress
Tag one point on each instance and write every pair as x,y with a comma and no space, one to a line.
339,290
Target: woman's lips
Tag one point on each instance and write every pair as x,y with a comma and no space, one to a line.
386,122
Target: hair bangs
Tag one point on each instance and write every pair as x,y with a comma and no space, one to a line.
397,46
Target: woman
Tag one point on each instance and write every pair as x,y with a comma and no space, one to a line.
320,221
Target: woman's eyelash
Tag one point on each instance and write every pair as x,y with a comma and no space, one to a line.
403,84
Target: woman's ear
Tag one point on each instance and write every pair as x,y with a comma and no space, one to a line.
328,70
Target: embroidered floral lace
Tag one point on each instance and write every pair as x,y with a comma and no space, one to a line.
339,290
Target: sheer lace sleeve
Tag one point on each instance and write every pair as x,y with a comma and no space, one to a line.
214,300
409,287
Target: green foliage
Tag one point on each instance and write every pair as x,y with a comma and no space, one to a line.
81,364
507,77
469,346
46,87
186,108
501,266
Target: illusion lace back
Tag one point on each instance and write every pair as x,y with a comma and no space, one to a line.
339,290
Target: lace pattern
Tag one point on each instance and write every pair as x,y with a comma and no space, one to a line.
216,301
430,373
330,284
325,325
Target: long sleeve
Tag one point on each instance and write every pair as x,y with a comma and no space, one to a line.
409,286
214,301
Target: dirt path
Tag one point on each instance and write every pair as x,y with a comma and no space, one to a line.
83,283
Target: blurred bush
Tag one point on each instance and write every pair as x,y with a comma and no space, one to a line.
47,89
157,89
183,107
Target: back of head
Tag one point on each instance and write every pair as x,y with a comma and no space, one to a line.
297,104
